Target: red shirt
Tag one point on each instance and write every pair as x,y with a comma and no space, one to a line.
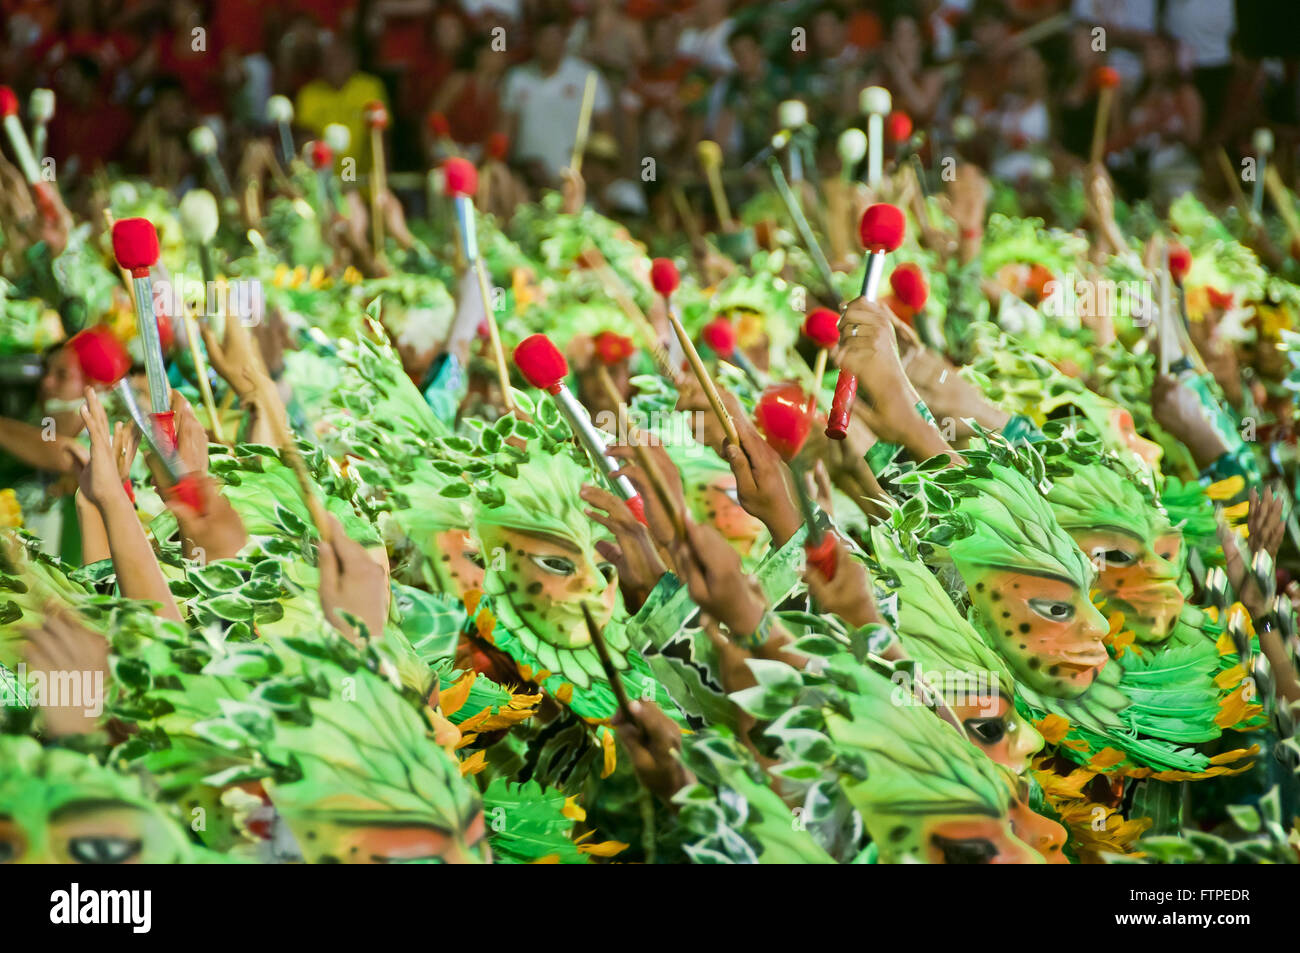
197,72
94,135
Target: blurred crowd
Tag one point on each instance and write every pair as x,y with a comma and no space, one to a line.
1003,82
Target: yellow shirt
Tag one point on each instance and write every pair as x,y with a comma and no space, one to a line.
320,104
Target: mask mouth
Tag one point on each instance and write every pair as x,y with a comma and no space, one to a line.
1083,661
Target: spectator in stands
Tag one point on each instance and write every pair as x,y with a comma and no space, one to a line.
340,96
1163,126
541,102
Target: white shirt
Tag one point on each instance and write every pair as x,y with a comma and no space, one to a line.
548,108
1205,26
708,47
1125,15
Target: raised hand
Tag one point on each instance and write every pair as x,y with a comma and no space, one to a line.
869,349
763,481
98,470
663,521
350,581
633,552
70,655
849,594
1178,410
653,741
712,572
1266,522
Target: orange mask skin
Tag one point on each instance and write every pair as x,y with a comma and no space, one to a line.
995,727
714,502
459,563
379,844
101,833
1137,578
1043,834
974,839
1148,451
548,580
1045,628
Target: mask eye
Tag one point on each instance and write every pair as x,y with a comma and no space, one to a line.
102,850
1119,557
1052,609
987,731
975,850
475,558
9,851
555,565
608,571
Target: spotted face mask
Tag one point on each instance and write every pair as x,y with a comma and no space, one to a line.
1044,626
544,579
1138,556
1028,582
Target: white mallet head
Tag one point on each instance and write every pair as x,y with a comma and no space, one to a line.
963,128
203,141
876,100
792,114
338,137
41,105
1263,140
199,216
279,109
852,145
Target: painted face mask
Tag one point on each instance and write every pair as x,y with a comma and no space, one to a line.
1028,583
1139,557
974,684
927,795
62,807
542,566
1043,834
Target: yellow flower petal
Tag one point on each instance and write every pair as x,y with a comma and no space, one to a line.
1053,728
451,700
1225,489
604,849
573,810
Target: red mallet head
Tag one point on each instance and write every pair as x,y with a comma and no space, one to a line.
782,416
1180,262
8,102
822,327
898,126
882,228
1106,77
663,276
1222,300
135,245
720,336
909,284
439,126
322,156
498,146
461,176
376,114
541,363
103,358
612,347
